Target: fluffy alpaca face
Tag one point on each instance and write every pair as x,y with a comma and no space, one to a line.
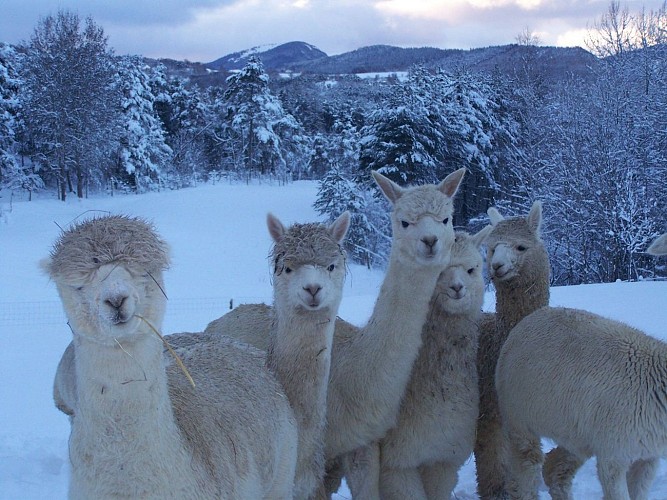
106,304
460,287
422,226
308,264
109,272
422,229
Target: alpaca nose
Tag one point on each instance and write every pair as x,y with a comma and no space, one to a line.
497,265
457,287
313,290
430,241
116,301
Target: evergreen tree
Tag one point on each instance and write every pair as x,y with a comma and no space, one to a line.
144,154
14,174
366,241
263,135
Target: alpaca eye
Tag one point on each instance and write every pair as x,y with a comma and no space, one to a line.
331,267
521,248
471,270
288,270
404,223
96,260
445,221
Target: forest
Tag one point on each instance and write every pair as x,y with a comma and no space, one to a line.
78,120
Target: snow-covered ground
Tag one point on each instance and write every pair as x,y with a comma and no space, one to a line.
219,247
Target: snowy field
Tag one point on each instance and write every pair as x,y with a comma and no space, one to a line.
219,247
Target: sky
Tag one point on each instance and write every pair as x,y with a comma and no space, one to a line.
215,259
204,30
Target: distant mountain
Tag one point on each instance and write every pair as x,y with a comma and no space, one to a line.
274,57
554,63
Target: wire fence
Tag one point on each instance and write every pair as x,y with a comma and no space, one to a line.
182,313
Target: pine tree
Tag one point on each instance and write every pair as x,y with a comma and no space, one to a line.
144,154
366,241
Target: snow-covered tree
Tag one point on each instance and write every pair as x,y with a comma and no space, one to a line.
14,172
366,241
69,100
266,139
144,155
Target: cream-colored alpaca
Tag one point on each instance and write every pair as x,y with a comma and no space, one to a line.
659,245
308,276
138,428
596,387
435,433
370,366
519,268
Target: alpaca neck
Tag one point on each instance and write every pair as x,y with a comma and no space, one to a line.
519,297
379,358
124,423
300,356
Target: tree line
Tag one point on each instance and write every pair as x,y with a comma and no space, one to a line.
75,118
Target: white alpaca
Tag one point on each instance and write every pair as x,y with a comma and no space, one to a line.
138,428
435,433
519,268
308,276
596,387
370,366
659,245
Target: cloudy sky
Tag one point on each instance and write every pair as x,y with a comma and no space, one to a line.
203,30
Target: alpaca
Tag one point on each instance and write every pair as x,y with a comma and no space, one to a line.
596,387
308,276
659,245
371,365
435,433
138,428
519,268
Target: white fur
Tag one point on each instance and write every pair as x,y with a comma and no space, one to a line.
596,387
138,429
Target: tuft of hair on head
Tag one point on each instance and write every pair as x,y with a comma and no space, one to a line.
91,243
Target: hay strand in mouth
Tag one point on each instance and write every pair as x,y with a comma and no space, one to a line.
170,349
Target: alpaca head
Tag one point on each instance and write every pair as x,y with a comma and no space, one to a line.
515,245
659,245
421,219
308,264
460,287
108,272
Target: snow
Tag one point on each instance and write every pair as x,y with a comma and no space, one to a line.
219,248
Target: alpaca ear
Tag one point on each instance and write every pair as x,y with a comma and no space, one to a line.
659,246
450,185
494,216
276,228
390,189
480,236
535,217
339,227
45,265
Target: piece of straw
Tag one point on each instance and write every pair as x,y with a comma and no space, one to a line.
169,348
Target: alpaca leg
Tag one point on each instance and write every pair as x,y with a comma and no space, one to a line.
439,479
332,478
490,459
525,461
400,484
560,467
362,472
613,479
640,478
